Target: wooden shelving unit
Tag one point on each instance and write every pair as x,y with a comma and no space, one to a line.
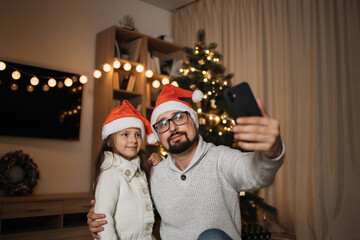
104,92
54,216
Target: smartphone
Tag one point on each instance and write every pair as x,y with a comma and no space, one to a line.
241,101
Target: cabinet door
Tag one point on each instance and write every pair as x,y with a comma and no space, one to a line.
30,209
76,205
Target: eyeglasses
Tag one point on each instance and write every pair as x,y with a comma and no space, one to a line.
178,119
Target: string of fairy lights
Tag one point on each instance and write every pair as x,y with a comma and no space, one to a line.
34,81
126,66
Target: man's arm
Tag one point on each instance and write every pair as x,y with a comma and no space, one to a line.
95,226
255,169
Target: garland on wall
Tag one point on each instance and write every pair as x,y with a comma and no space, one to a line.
13,165
35,80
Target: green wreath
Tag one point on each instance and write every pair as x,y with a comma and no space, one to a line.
18,187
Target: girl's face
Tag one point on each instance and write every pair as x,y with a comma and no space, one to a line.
127,142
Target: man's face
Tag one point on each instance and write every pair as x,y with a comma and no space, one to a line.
178,139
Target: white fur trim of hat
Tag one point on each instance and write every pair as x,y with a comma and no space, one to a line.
121,124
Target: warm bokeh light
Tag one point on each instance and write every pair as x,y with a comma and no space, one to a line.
97,74
2,66
107,67
14,87
60,84
52,82
165,81
34,81
116,64
127,67
156,84
30,88
16,75
149,73
139,68
175,83
83,79
45,88
68,82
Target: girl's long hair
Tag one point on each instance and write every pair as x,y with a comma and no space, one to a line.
145,165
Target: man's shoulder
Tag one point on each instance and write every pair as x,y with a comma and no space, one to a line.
160,165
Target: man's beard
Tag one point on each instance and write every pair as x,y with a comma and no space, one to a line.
180,147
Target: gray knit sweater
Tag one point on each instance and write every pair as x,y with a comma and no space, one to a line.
206,194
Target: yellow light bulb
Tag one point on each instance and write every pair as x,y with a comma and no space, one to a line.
139,68
2,66
45,88
30,88
83,79
14,87
156,84
149,73
60,84
68,82
107,67
174,83
97,74
52,82
16,75
34,81
165,81
116,64
127,66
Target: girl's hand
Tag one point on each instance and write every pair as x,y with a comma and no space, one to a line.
154,159
95,226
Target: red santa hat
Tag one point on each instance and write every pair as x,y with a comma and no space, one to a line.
126,116
169,100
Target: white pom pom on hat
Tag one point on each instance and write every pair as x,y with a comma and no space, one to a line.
197,96
169,100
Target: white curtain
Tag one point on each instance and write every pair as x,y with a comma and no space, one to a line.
302,58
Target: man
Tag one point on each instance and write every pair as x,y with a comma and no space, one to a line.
197,186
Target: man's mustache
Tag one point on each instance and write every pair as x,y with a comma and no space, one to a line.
174,133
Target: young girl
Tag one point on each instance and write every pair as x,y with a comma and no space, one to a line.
122,172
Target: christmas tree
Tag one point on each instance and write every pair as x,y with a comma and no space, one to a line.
203,70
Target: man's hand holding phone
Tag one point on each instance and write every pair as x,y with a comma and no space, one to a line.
254,129
259,133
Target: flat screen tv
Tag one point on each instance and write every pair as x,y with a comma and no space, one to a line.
39,111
